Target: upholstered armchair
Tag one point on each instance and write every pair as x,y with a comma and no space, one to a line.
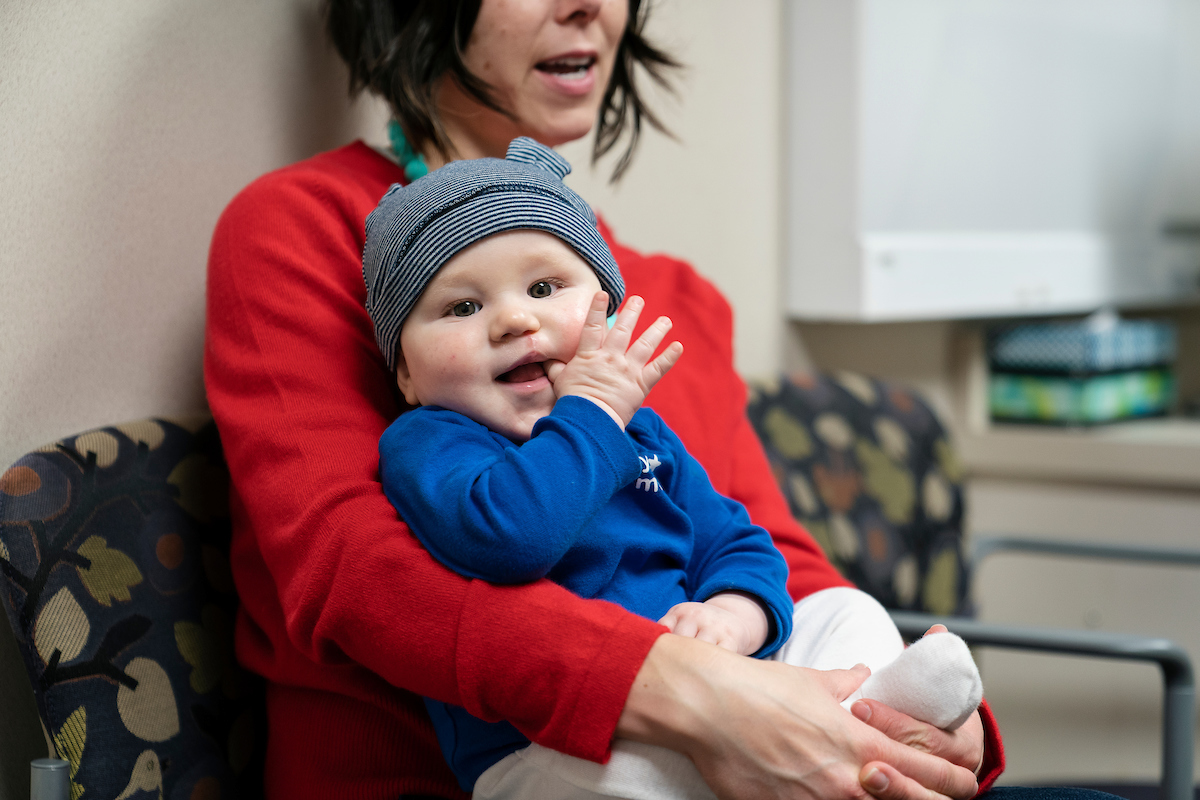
114,552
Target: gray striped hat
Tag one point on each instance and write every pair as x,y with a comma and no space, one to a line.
416,229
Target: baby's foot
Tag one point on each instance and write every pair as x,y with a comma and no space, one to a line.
934,680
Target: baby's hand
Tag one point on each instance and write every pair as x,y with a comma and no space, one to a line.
609,371
731,620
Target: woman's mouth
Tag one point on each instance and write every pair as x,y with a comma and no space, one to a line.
525,373
570,68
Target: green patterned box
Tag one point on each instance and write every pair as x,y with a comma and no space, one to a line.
1097,369
1081,399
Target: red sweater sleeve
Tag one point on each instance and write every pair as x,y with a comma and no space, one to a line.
993,749
337,594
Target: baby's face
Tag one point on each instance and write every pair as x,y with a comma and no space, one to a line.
478,338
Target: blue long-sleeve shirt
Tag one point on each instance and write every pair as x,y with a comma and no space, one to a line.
627,516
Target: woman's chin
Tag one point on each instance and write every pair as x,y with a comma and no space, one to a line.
555,123
556,131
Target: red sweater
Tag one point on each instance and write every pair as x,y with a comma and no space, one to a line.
343,611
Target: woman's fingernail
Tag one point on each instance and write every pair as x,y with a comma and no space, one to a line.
876,781
861,710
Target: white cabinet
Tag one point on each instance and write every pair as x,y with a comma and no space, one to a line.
965,158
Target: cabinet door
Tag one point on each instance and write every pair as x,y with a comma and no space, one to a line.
956,158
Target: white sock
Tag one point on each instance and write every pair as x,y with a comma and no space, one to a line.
934,680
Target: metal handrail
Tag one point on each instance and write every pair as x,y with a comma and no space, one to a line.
1177,556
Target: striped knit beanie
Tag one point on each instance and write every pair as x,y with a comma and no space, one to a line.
417,228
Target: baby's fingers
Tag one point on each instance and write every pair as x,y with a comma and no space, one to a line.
595,325
621,332
554,369
653,372
678,612
641,350
685,626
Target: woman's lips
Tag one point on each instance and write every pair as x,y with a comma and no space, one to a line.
571,67
569,74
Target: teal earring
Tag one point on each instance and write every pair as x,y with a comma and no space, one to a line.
411,162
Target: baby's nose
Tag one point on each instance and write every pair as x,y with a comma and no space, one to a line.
514,319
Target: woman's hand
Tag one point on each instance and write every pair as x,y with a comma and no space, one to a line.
963,746
758,729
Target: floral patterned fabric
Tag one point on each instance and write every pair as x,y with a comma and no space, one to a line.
114,552
869,471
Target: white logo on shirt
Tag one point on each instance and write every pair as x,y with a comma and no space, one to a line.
648,464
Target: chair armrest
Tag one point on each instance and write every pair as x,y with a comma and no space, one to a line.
985,546
1179,688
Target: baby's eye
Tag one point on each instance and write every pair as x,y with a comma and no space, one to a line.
464,308
541,289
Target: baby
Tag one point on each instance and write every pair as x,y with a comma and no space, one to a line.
529,454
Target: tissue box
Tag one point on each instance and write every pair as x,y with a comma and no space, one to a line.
1083,372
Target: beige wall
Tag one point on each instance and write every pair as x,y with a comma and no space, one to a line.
127,127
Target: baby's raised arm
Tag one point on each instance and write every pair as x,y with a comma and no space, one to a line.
607,369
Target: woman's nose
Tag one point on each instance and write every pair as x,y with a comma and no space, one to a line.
578,11
513,319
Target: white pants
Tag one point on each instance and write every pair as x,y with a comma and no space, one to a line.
833,629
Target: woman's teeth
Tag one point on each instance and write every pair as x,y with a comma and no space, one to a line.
572,68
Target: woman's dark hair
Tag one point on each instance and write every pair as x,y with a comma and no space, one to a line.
398,49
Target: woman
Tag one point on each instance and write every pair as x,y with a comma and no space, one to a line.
343,612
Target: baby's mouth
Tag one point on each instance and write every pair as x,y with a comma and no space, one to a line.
524,373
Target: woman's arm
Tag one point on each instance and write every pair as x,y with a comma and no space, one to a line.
765,729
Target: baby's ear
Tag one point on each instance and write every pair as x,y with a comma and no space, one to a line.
404,380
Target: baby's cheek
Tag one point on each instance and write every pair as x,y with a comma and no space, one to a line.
447,380
573,330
